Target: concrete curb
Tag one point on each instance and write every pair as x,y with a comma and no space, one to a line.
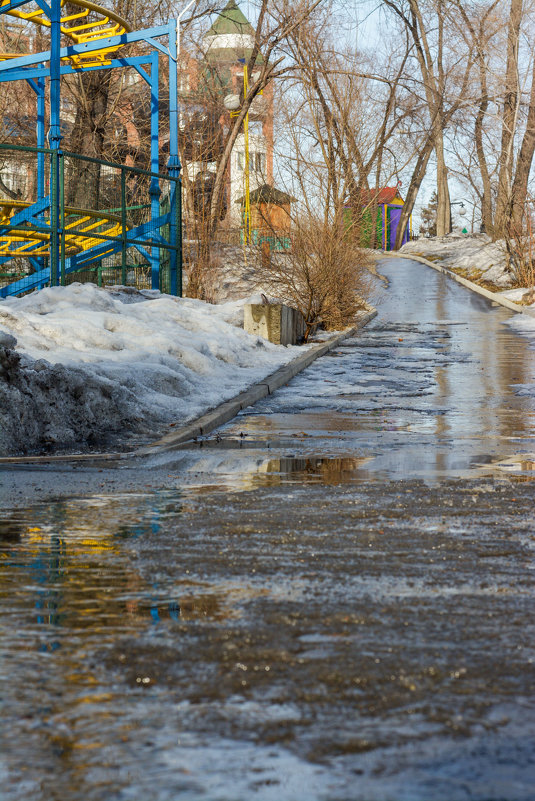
228,410
216,417
495,297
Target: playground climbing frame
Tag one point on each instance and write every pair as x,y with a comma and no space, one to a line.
54,239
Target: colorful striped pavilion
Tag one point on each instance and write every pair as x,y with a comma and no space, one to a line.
388,204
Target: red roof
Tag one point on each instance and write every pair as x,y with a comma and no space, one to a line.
385,195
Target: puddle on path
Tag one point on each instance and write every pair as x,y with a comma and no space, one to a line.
366,642
437,386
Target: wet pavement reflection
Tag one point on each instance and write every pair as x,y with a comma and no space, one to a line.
332,600
434,387
366,642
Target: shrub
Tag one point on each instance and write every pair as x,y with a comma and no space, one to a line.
324,275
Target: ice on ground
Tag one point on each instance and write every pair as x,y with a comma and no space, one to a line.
91,363
524,324
477,254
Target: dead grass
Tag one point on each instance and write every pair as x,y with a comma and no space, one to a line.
475,278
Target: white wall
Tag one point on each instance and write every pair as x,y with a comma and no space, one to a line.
257,171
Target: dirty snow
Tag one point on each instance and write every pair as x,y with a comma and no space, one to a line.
477,254
234,274
92,364
517,296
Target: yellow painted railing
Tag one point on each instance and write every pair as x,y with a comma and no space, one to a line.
88,24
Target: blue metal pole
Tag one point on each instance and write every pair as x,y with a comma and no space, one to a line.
174,167
40,137
54,133
54,138
41,111
154,163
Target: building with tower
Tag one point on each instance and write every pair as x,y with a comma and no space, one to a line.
205,84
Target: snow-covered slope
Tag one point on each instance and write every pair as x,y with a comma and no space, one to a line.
476,254
91,365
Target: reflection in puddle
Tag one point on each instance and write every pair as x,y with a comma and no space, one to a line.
72,566
319,632
336,623
323,470
407,397
519,463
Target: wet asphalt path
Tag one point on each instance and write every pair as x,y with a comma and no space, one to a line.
332,600
433,388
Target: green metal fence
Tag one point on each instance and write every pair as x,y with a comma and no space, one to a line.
111,222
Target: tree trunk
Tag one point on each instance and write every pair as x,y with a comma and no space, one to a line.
486,199
509,120
415,183
443,192
87,138
523,165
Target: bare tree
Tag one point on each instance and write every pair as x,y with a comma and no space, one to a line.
511,107
480,26
324,274
216,135
504,108
428,24
361,109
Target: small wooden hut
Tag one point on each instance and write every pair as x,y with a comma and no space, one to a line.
270,217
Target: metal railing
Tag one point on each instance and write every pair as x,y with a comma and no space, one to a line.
74,215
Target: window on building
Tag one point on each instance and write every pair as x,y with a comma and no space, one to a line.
259,163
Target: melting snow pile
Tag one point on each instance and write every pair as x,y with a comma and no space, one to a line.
477,254
84,366
519,296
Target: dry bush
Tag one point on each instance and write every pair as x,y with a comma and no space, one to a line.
324,275
520,244
201,275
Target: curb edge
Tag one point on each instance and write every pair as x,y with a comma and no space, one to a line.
486,293
229,409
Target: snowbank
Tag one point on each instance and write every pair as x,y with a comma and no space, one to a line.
85,366
477,254
519,296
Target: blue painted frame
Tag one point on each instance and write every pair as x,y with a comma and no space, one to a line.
32,68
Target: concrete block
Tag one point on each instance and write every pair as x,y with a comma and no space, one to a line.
276,322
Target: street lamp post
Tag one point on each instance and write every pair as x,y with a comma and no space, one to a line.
189,5
173,165
232,103
462,209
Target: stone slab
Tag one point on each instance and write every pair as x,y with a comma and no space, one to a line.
275,322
